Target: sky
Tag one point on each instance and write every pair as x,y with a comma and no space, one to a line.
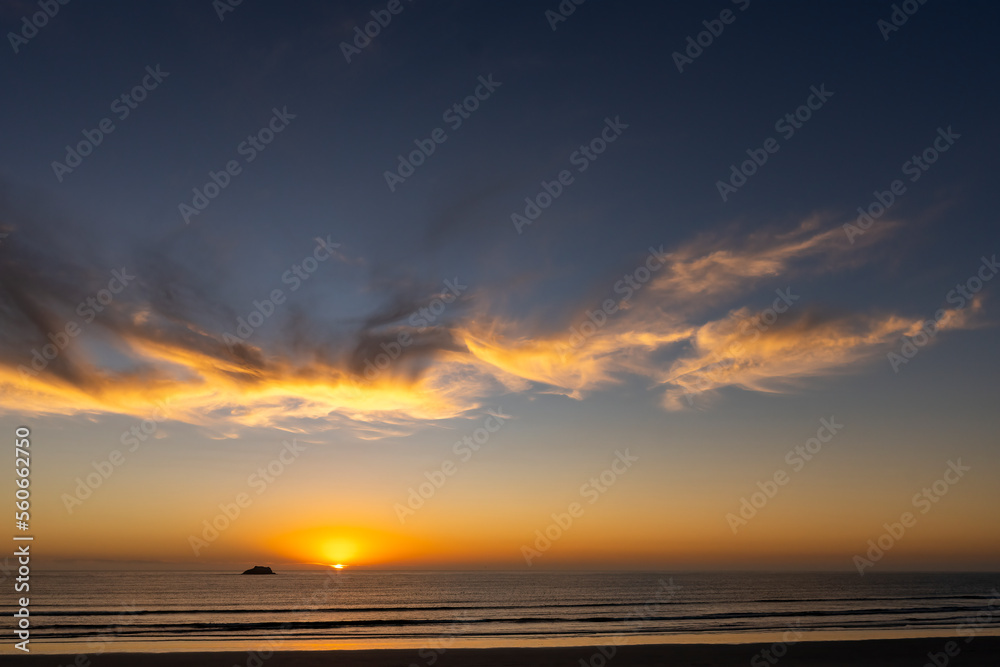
518,285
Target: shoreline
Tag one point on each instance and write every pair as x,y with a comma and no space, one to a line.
965,651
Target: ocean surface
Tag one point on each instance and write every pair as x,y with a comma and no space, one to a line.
95,612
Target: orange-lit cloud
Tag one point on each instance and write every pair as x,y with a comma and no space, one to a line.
739,349
743,352
143,353
701,272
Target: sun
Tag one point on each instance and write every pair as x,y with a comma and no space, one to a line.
338,549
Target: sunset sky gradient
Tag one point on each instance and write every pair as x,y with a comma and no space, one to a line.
638,312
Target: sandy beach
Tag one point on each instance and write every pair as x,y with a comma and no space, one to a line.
982,651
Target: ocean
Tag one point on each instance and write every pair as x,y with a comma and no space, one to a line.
99,611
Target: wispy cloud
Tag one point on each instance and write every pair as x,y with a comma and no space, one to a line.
808,344
161,343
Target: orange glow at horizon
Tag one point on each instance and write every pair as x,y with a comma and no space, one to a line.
343,545
667,335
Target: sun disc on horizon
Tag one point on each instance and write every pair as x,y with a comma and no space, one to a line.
339,550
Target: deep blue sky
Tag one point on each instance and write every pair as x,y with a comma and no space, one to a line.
657,185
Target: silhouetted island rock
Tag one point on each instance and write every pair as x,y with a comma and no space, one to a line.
259,569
